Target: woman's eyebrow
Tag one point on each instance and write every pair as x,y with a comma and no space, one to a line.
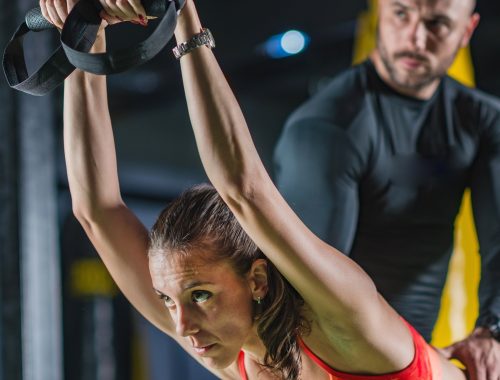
194,284
187,286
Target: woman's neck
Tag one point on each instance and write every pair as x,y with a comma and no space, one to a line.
254,347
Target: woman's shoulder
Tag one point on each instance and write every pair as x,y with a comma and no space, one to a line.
361,345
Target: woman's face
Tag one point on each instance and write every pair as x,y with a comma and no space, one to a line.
210,305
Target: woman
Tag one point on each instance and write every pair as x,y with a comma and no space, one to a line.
240,283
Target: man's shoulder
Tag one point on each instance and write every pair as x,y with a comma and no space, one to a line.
338,101
468,99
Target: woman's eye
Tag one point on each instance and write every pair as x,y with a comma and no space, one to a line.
168,302
200,296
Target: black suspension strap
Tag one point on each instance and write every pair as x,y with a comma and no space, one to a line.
78,35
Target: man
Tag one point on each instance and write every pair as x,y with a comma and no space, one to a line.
390,146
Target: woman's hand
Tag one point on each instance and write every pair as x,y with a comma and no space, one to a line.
114,11
56,11
123,10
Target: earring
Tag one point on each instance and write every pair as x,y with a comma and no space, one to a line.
259,300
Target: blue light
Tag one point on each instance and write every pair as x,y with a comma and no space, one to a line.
283,45
293,42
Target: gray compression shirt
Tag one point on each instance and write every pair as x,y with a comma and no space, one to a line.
380,176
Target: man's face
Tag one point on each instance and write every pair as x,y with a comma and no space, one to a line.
419,39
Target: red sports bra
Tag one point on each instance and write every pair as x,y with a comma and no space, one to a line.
424,366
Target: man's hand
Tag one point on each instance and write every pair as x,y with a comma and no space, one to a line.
480,354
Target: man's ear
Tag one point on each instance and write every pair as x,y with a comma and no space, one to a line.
473,23
257,279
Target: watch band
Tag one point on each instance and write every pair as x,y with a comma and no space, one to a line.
204,38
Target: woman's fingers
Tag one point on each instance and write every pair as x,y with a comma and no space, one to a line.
109,8
43,9
50,13
119,8
138,9
114,11
110,20
125,10
56,11
61,9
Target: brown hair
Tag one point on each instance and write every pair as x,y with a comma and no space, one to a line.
199,218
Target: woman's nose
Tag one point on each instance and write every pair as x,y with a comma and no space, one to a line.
186,323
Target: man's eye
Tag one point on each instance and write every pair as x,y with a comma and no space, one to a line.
200,296
437,27
400,14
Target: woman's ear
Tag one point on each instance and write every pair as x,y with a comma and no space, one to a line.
257,279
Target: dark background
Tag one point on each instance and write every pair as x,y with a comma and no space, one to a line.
155,146
157,155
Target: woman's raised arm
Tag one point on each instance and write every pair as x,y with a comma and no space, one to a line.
342,297
115,232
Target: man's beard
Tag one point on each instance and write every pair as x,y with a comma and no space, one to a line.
411,82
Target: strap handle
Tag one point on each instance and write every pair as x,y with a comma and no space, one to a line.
36,22
83,27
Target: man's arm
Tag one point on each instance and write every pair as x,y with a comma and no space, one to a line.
485,189
316,172
480,351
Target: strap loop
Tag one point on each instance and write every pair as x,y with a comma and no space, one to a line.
78,35
81,27
50,75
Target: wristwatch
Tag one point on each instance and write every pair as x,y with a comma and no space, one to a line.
204,38
492,323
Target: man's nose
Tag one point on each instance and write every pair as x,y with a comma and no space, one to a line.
418,36
186,323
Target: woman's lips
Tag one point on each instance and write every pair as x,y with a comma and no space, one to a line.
201,350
